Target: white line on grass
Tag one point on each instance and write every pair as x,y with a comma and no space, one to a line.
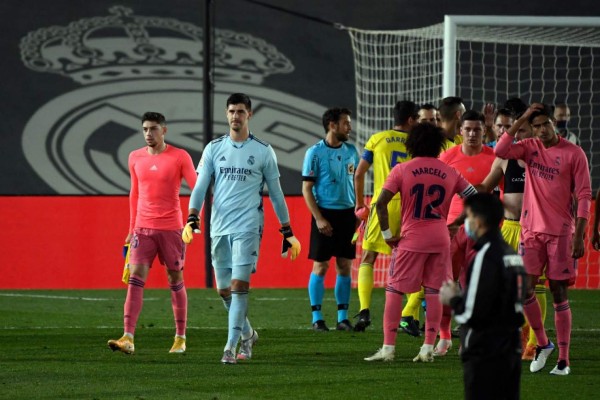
39,328
216,298
46,296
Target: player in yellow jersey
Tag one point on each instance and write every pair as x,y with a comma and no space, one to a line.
383,150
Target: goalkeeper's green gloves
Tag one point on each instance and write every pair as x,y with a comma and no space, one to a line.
190,228
290,243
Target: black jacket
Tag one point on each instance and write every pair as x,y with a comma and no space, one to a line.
491,309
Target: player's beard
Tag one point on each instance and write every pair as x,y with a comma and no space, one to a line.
235,126
342,137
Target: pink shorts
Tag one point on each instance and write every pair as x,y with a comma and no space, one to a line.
461,249
146,244
540,249
409,270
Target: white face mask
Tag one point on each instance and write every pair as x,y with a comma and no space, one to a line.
469,229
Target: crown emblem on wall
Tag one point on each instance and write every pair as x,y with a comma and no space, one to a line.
126,46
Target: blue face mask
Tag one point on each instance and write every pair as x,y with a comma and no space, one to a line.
561,125
469,230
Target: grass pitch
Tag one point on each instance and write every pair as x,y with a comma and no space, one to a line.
53,346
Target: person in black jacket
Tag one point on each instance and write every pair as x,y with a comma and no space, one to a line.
491,308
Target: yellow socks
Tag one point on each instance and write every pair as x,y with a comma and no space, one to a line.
365,285
413,305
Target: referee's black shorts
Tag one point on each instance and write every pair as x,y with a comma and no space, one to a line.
322,247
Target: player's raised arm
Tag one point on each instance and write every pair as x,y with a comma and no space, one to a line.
506,148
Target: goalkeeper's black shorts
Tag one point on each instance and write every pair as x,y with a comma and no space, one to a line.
322,247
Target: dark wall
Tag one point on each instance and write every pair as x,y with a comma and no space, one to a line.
75,81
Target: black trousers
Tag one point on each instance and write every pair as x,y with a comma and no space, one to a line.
493,378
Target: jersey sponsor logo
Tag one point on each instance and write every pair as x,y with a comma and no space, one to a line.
350,169
235,173
519,179
542,171
154,168
222,158
79,141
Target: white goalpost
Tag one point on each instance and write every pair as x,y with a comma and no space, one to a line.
484,59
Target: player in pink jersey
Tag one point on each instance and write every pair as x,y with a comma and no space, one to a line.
421,255
474,161
556,173
155,226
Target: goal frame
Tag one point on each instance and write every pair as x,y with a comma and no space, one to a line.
450,36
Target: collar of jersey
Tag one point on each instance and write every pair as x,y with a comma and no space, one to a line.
239,145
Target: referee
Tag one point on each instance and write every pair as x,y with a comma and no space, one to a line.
490,310
328,189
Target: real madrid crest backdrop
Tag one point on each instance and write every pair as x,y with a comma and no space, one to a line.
77,75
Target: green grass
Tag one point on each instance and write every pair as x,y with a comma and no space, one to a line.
53,346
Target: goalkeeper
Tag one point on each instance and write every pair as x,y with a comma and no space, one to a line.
328,189
240,164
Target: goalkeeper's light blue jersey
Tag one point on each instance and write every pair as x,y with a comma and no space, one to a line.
240,171
332,171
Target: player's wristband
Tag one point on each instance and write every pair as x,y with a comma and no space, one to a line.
387,234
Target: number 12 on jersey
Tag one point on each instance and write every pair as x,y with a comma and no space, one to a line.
435,197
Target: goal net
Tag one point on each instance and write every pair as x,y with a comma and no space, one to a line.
484,59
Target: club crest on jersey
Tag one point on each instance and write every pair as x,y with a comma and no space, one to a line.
251,160
557,161
350,168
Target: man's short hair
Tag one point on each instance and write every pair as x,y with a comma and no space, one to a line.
427,106
334,115
155,117
472,115
239,98
449,106
425,140
516,105
505,112
486,206
545,111
403,110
